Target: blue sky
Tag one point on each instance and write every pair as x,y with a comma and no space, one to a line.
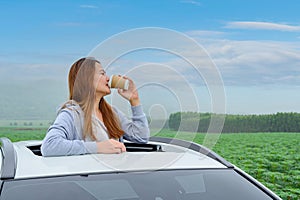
254,44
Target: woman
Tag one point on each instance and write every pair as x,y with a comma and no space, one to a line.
87,123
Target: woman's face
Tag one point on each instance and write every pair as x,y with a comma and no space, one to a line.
101,81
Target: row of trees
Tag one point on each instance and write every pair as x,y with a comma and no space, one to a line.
30,123
199,122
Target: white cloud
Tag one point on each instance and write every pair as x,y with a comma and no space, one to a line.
261,26
89,6
12,71
240,62
204,33
68,24
250,62
196,3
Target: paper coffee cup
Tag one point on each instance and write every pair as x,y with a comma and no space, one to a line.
116,81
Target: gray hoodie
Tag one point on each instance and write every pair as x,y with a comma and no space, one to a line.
65,136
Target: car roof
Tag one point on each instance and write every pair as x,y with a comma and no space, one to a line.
172,154
23,160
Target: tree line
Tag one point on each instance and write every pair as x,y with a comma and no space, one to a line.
199,122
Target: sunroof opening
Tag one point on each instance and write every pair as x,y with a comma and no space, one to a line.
130,147
36,149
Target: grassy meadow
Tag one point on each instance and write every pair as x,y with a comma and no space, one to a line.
272,158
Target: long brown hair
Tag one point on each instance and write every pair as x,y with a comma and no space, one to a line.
81,90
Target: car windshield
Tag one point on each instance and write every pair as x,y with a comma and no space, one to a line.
157,185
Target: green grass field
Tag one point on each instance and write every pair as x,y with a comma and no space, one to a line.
272,158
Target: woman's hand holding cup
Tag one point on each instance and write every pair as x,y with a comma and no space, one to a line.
126,88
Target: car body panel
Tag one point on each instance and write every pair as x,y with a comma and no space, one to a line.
29,165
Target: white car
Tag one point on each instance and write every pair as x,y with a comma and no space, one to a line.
164,168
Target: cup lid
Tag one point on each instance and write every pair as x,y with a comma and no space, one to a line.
110,80
126,85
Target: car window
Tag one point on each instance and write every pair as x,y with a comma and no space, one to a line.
158,185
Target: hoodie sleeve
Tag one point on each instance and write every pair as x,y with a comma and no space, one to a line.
62,138
136,129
